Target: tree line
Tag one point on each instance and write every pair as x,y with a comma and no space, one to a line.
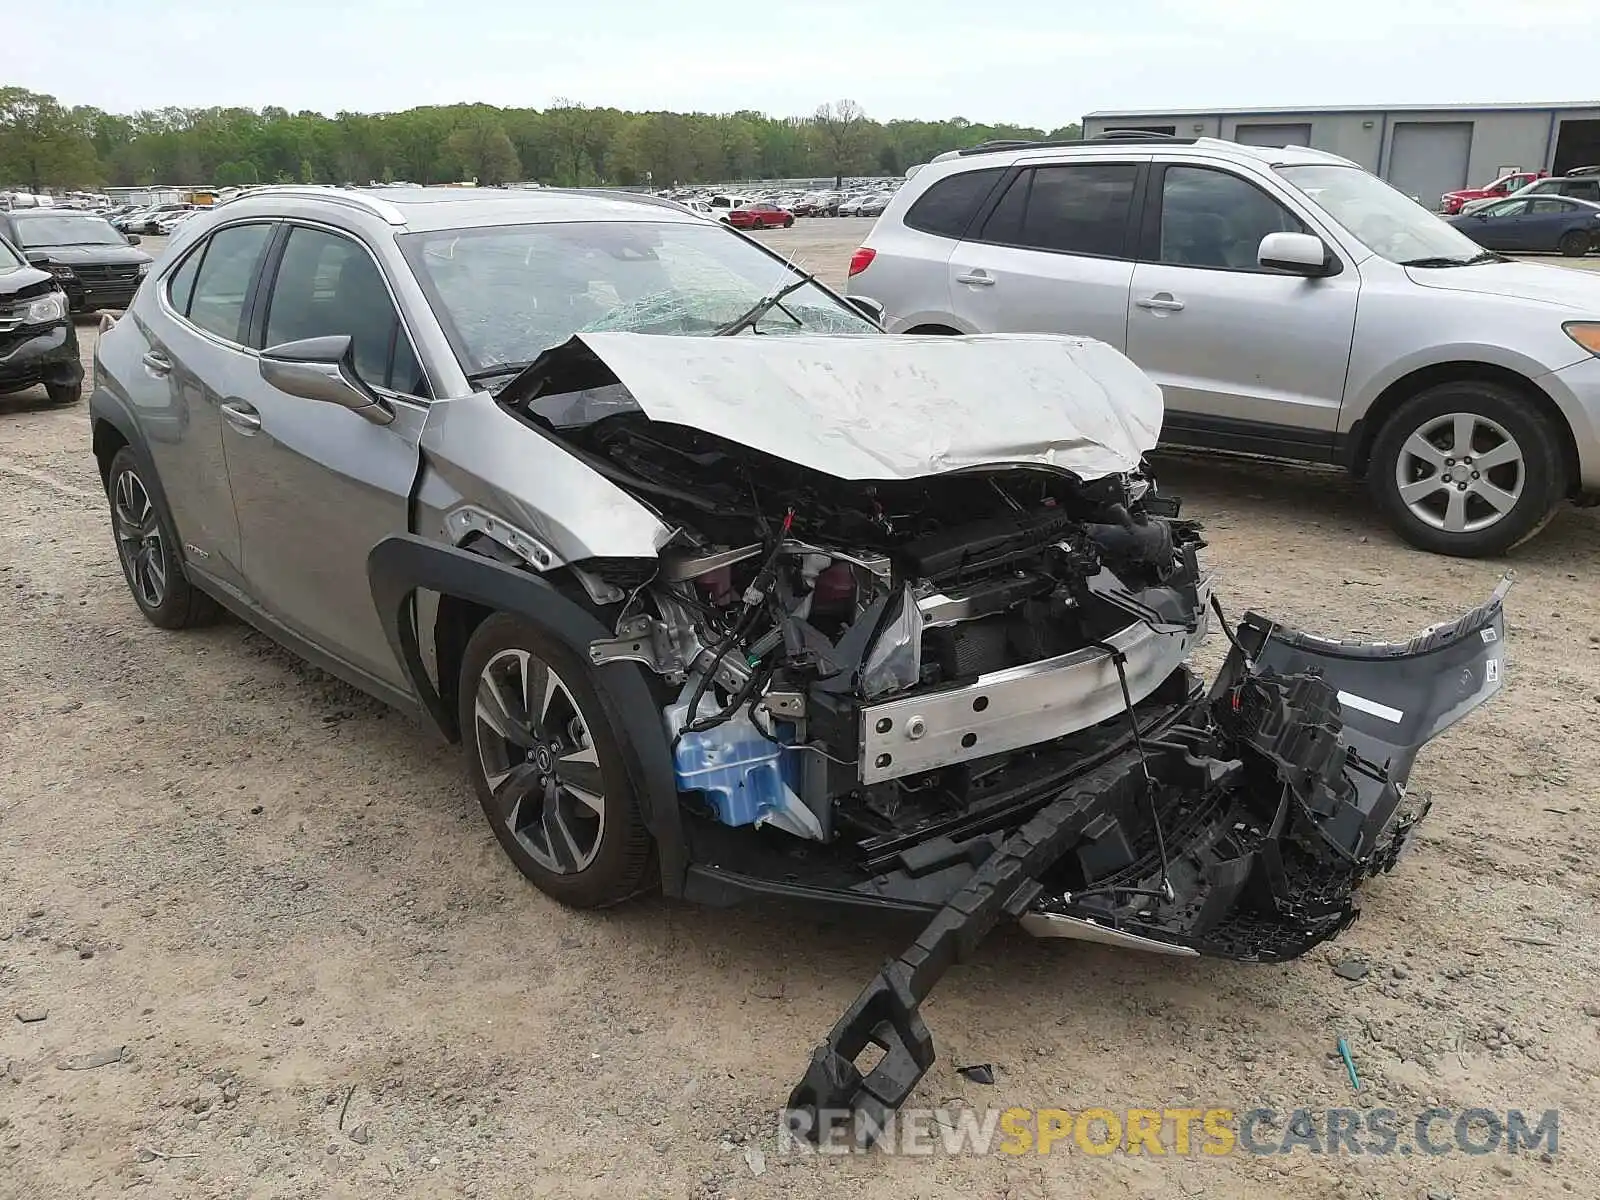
45,144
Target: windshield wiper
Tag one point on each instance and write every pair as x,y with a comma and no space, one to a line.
1440,260
762,307
499,369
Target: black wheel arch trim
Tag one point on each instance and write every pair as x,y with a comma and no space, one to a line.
402,563
105,408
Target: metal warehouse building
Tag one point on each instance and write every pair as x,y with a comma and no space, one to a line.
1422,151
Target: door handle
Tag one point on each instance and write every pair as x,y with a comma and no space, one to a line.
1161,302
241,416
979,279
156,362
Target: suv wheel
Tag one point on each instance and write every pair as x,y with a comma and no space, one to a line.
1468,469
147,547
548,766
64,393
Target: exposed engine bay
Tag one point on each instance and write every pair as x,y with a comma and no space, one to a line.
968,694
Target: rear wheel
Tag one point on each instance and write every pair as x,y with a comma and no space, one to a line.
1574,243
550,768
1469,468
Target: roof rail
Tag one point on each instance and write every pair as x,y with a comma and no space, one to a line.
991,147
1110,135
1141,135
1583,171
382,209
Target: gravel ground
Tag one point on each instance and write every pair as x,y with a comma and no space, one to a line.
274,909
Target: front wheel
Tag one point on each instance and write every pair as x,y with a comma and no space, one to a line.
64,393
550,767
1574,243
1469,468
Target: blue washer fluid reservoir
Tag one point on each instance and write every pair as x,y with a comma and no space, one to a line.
745,777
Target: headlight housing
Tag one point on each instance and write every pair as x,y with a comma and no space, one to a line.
144,269
1585,333
46,310
59,270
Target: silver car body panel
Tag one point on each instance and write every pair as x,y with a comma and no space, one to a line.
824,402
477,457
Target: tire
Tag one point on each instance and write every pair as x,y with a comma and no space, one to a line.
578,836
64,393
758,223
1471,510
1574,243
147,548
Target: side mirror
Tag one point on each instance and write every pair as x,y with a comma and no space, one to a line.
870,309
1297,253
323,368
133,239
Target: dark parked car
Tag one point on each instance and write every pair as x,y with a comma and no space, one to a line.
1536,223
37,341
97,266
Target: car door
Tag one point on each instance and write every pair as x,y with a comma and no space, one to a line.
316,486
1248,358
1498,226
1051,254
194,361
1547,219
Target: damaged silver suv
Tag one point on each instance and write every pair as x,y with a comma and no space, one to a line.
725,591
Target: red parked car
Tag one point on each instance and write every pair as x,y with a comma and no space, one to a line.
1451,202
760,216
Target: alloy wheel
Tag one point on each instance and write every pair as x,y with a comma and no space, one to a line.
1460,472
539,761
139,542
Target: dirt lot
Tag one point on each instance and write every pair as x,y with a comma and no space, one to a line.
280,902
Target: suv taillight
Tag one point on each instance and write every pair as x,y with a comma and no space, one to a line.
862,259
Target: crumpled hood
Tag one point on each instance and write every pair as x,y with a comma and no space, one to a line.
1560,286
898,407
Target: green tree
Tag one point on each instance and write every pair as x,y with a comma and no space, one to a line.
42,143
483,150
842,137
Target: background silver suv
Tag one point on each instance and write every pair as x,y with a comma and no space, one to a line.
1287,302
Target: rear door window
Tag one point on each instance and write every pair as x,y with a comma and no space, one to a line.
1082,208
948,207
226,275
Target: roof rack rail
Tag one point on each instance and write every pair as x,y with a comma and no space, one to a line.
1141,135
382,209
997,144
1571,171
1111,135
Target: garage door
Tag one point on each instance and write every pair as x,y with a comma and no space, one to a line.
1273,135
1428,158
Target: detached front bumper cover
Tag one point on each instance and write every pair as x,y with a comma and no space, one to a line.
1280,792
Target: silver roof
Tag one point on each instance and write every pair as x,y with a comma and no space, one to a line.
418,209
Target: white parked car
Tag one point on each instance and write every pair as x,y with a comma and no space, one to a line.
1288,303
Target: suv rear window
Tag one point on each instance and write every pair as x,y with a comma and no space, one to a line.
1078,209
947,208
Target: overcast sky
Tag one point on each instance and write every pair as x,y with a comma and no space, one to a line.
1040,62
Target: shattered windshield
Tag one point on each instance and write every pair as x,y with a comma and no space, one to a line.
506,293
